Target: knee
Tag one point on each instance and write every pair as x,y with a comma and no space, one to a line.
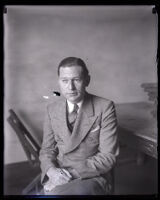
90,188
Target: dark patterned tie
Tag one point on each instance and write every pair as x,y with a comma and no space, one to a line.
72,117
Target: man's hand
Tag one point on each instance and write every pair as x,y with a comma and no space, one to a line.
57,176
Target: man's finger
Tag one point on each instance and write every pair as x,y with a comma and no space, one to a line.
67,173
64,175
64,179
49,186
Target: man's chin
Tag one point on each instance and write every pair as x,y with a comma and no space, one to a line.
74,99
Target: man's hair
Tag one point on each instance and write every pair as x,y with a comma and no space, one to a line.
72,61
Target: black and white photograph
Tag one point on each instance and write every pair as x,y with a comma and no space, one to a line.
80,100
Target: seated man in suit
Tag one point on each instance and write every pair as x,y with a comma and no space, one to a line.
79,145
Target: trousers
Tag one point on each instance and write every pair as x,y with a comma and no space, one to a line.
92,186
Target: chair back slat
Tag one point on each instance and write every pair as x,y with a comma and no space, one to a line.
23,128
28,143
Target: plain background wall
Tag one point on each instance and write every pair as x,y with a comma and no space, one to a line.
118,43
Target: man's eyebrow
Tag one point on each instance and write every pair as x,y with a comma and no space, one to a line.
70,78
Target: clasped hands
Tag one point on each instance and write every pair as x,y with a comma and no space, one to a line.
57,176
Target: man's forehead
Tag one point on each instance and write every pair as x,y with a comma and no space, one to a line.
71,70
71,67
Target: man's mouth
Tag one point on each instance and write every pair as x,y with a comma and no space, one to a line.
72,93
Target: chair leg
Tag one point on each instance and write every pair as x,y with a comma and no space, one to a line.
33,185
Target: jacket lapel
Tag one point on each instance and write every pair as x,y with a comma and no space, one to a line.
83,124
61,120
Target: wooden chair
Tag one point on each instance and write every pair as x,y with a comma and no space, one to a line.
31,149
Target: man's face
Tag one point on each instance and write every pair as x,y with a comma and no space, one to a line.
72,83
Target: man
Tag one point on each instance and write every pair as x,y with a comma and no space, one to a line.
79,146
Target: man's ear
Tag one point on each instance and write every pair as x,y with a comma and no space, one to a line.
88,78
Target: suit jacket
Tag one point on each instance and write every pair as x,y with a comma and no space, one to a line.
92,147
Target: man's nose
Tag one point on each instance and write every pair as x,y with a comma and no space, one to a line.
71,85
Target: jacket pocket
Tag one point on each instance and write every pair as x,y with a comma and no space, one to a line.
93,137
95,129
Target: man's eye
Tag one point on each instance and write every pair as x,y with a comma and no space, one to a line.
65,81
77,80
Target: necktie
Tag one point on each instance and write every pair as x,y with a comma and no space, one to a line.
72,117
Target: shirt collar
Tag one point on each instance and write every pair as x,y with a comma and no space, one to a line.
71,105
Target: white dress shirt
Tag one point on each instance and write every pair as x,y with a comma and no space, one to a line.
71,106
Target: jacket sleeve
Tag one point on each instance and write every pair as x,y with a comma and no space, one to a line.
48,152
105,158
